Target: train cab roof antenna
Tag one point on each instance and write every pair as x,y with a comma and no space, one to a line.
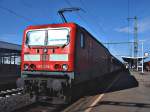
63,10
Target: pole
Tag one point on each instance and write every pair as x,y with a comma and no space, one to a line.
135,37
135,41
142,58
137,64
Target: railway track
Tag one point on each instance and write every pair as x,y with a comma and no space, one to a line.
13,99
42,107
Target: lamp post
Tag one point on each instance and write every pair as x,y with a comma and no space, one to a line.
142,58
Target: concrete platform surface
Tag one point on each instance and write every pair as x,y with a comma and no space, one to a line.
129,100
126,92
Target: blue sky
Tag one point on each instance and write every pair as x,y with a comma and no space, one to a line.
105,19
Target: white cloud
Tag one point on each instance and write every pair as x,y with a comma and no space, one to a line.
124,30
143,26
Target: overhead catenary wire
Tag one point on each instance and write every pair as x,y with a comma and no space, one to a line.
81,18
77,13
91,13
16,14
97,23
28,5
119,43
107,43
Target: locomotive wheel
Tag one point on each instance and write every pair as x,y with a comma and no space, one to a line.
68,99
68,95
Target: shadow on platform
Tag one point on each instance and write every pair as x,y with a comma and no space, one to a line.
128,104
114,103
113,82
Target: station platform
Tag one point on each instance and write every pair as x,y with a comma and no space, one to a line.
126,93
9,65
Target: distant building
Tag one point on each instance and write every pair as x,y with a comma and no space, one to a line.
9,53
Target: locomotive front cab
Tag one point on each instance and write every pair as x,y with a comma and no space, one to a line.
48,58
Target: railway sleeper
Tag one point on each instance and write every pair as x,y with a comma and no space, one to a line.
12,101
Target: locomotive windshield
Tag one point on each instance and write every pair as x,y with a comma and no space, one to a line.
57,37
35,38
50,37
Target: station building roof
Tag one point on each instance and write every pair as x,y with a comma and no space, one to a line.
130,59
6,47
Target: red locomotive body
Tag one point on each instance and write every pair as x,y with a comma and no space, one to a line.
49,54
58,57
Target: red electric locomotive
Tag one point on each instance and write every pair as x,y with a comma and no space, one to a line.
56,58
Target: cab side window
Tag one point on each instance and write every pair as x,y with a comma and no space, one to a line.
82,40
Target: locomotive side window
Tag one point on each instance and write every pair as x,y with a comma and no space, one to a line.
35,38
82,40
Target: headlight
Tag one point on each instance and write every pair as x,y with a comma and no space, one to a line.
65,67
57,66
33,67
26,66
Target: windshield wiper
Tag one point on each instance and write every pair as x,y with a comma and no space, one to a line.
29,46
64,45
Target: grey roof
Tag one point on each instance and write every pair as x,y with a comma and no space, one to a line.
129,59
9,46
